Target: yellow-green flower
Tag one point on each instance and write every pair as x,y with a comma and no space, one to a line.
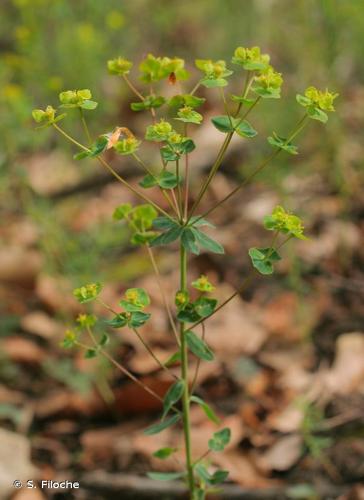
322,99
269,79
251,59
119,66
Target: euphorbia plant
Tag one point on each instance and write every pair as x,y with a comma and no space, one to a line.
179,222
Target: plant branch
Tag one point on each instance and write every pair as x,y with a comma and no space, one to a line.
113,172
301,124
184,373
164,298
150,351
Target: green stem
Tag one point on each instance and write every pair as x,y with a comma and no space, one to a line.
184,374
223,149
85,126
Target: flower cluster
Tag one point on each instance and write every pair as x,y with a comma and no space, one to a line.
251,59
285,223
119,66
77,99
215,72
154,69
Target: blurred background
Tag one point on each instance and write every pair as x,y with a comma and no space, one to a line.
290,375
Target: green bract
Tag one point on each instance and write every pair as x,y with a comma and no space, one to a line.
140,220
268,84
220,439
215,72
119,66
88,292
154,69
203,284
250,59
46,117
77,99
127,146
317,102
159,131
86,319
263,259
188,115
285,223
135,299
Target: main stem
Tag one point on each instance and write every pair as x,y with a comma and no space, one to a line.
184,374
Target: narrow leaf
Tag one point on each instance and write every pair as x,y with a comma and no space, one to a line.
198,346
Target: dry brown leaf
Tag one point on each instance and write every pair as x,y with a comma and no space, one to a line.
56,293
288,420
234,330
347,372
283,454
19,265
241,469
62,403
14,461
23,351
40,323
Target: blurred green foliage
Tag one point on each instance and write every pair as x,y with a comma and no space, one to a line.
49,46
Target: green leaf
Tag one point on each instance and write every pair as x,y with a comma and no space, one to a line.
211,83
148,181
244,129
172,396
317,114
198,346
242,100
167,237
205,306
148,103
188,115
281,143
263,259
267,93
220,439
173,359
81,155
188,240
118,321
122,211
137,296
104,340
138,318
165,476
207,242
87,104
169,154
90,353
188,314
223,123
186,99
98,147
211,415
303,100
230,124
143,238
197,221
160,426
167,180
164,223
87,292
164,453
211,479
